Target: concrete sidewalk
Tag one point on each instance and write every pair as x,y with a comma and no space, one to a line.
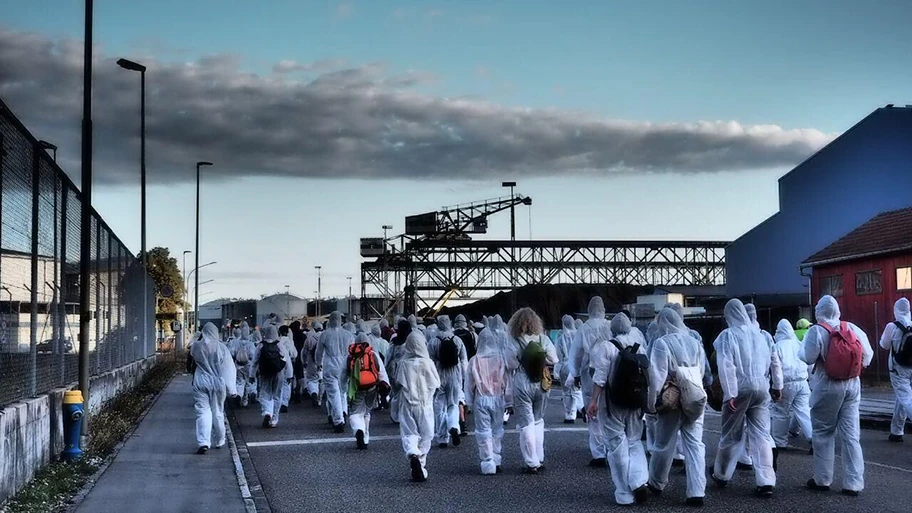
158,469
876,408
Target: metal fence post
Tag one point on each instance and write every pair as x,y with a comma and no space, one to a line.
33,318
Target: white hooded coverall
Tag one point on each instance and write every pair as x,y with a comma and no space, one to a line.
678,348
834,403
270,394
622,429
246,375
900,376
332,350
795,393
746,364
446,401
572,396
488,391
416,381
364,400
579,366
213,379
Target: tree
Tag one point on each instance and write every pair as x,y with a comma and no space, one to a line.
164,271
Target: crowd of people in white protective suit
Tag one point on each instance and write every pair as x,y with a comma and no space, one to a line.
643,396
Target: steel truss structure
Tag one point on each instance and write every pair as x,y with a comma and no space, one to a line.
434,269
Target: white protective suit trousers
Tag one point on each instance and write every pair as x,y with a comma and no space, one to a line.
270,397
834,408
335,397
669,428
360,412
243,382
596,429
748,423
901,379
416,427
571,397
394,406
314,383
210,416
623,434
489,431
795,403
446,404
898,424
529,406
286,393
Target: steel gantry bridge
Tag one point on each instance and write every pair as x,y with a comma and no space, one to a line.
436,259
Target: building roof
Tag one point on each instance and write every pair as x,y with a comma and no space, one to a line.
887,232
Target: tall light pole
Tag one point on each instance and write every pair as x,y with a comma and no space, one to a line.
135,66
197,252
192,272
184,306
386,289
350,313
319,288
287,301
85,234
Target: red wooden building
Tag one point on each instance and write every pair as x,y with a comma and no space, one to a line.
867,270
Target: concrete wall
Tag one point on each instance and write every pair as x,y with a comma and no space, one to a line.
31,431
864,172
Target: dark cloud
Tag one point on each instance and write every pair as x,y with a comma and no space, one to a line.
363,122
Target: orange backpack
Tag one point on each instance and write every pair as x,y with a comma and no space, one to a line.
362,366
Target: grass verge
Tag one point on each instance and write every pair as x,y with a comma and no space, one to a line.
56,484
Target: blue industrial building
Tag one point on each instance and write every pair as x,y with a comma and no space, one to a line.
865,171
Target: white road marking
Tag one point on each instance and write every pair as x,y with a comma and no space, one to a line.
249,505
347,439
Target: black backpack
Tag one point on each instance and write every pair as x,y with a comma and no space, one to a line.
903,354
271,362
468,341
630,384
448,353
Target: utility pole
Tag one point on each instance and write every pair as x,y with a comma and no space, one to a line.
350,313
319,289
85,234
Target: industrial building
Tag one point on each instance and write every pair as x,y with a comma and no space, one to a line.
286,306
865,171
867,270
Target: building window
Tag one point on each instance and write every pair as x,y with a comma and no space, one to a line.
868,282
904,278
831,285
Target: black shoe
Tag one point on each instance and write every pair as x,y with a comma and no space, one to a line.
811,451
744,466
793,434
238,402
582,414
641,495
330,419
267,419
530,471
598,463
896,439
849,493
442,446
721,483
498,470
454,437
655,491
541,468
696,502
202,450
315,400
569,421
359,439
283,409
811,484
676,463
463,427
339,428
417,471
775,459
765,491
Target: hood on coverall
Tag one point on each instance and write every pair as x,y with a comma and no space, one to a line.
460,323
596,308
245,331
443,323
620,325
901,312
271,333
827,311
335,320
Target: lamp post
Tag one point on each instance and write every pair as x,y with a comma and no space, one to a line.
197,252
135,66
319,269
350,313
187,283
184,295
85,234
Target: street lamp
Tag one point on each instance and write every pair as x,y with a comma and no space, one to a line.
350,313
184,295
319,269
197,252
511,185
135,66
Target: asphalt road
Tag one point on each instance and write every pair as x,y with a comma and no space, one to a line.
303,466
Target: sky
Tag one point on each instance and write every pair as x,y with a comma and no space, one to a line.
325,120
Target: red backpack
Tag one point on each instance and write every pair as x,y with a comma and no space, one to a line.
844,355
363,366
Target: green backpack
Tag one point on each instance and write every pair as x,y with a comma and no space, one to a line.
533,361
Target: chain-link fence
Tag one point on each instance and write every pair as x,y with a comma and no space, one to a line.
39,276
